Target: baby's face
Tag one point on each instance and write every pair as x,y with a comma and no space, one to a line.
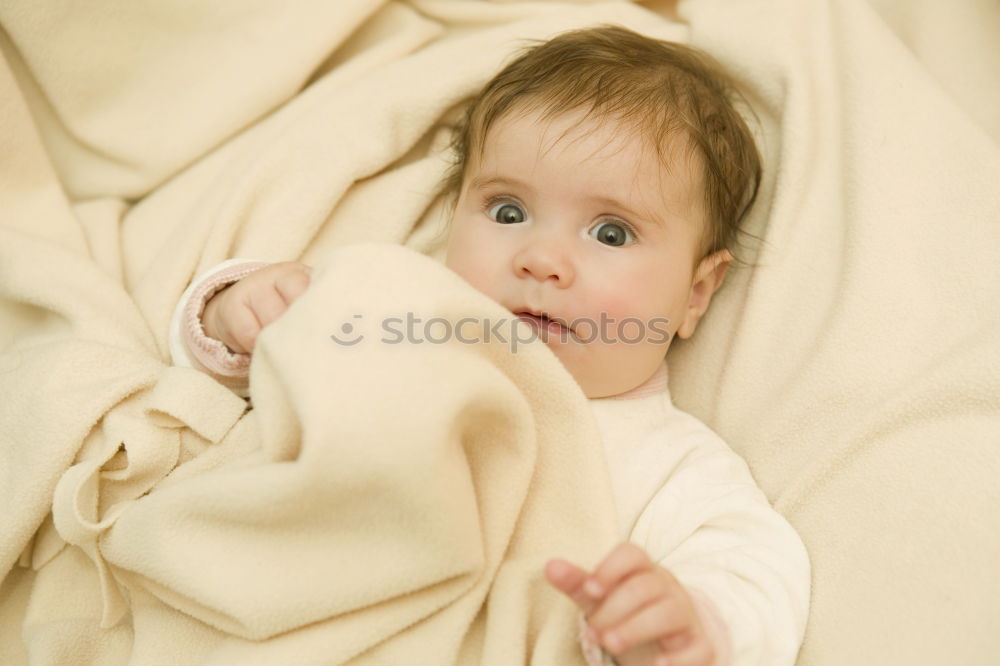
581,231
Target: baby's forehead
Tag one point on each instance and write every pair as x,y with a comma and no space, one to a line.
546,130
669,156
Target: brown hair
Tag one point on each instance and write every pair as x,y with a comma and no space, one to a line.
662,89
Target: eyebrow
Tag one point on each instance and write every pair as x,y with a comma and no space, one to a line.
630,212
479,182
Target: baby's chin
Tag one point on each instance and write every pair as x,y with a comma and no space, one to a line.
603,380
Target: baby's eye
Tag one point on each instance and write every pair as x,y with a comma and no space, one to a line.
507,213
612,233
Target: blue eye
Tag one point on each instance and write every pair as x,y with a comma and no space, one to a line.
507,213
612,233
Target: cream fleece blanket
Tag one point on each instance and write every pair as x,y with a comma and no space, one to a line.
854,363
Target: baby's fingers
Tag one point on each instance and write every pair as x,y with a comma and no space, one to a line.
237,327
569,579
654,622
625,599
292,283
266,303
694,653
624,561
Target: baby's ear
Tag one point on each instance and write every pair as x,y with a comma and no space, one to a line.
708,277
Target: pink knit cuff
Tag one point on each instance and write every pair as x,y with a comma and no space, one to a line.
593,653
208,352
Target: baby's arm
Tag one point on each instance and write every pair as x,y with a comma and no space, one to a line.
713,528
723,576
216,323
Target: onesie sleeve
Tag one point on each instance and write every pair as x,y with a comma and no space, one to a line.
190,347
746,567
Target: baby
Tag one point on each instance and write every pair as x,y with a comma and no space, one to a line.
600,180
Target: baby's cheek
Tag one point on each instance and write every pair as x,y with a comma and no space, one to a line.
630,319
480,274
615,308
463,257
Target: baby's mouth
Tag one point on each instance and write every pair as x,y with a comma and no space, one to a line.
553,326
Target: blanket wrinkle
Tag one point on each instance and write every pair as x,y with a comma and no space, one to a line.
89,497
70,286
110,123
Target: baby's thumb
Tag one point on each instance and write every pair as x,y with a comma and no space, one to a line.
569,579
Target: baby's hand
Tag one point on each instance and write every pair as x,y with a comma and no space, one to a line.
236,314
637,610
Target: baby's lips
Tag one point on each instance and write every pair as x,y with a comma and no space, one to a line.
542,316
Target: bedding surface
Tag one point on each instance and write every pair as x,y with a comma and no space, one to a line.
147,515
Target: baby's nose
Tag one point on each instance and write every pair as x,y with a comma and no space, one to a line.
546,259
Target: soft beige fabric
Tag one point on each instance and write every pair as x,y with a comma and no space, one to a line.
855,366
383,504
